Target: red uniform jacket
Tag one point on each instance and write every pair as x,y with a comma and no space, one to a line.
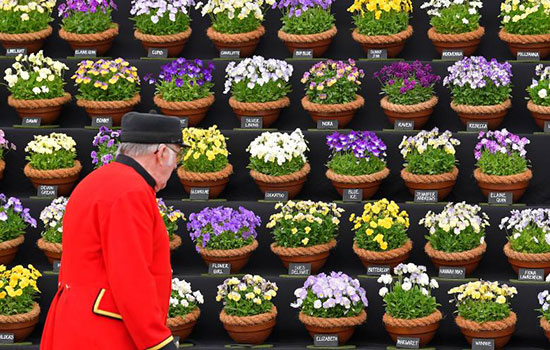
115,276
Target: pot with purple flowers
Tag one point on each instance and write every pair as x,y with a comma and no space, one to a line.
409,92
5,146
224,235
502,164
331,304
539,96
14,220
51,242
544,302
170,216
106,143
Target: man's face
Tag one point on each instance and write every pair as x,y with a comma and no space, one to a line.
167,160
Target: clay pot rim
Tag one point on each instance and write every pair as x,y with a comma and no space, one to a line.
81,102
303,251
388,254
295,176
32,36
185,319
545,324
229,253
12,243
417,107
107,34
259,106
236,37
307,38
49,246
476,34
333,107
212,176
436,178
455,256
526,175
176,105
248,320
24,317
533,107
473,109
434,317
382,39
175,242
63,173
529,257
523,38
39,103
167,38
358,179
327,322
499,325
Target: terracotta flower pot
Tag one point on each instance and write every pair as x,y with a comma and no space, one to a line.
8,249
31,41
342,112
292,183
493,115
318,42
423,328
53,251
531,43
468,259
501,331
46,109
113,109
2,168
541,114
193,110
393,43
269,111
343,327
419,113
391,258
316,255
173,42
215,181
467,42
517,184
182,326
21,325
249,329
101,42
527,260
545,326
175,242
368,183
245,42
64,179
443,183
237,257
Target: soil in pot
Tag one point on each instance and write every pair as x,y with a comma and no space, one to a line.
255,334
501,337
424,333
292,187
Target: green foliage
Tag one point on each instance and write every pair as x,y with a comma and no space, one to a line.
483,311
57,160
190,91
203,165
164,26
23,89
451,243
225,240
430,162
409,304
389,23
10,21
531,240
447,23
314,20
348,164
336,311
537,22
18,289
416,95
541,89
501,164
486,96
88,22
223,24
395,236
274,169
13,227
53,234
122,90
270,91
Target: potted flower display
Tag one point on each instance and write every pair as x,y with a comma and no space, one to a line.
204,163
107,88
36,86
544,301
278,161
455,24
382,24
236,25
224,235
409,92
430,162
25,26
5,146
411,309
307,25
539,96
502,165
248,313
357,161
162,24
480,90
18,309
528,239
184,89
52,218
456,236
87,24
259,87
183,311
170,216
304,232
106,141
484,311
322,312
526,26
381,234
14,220
52,161
331,91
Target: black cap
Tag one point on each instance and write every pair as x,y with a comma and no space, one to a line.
150,128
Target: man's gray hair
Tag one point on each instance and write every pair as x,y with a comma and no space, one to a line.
136,149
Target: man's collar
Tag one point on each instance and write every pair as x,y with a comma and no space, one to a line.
124,159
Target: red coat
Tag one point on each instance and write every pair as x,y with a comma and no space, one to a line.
115,276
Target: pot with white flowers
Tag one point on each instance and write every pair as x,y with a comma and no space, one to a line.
456,236
14,220
248,313
170,216
224,235
183,311
411,309
5,146
52,218
36,86
321,313
381,234
484,311
304,232
539,96
278,162
544,301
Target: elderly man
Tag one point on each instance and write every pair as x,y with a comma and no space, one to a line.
115,276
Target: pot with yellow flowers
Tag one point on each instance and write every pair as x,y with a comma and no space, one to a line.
52,218
381,234
484,311
14,220
305,232
170,216
183,311
18,310
204,163
248,313
5,146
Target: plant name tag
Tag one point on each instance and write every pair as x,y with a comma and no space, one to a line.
325,340
407,343
500,198
547,126
377,54
224,53
377,270
536,275
219,268
276,196
352,194
452,272
302,53
477,126
483,344
425,196
81,53
252,122
199,193
14,51
177,341
403,125
528,56
299,269
47,191
452,55
7,338
31,121
157,52
98,122
56,265
327,124
184,122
